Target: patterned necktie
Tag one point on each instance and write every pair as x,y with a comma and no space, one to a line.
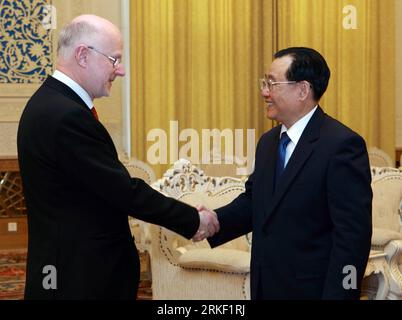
93,110
280,164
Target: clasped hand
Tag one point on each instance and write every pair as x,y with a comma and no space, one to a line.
209,224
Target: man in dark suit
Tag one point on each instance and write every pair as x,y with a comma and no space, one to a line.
78,194
308,201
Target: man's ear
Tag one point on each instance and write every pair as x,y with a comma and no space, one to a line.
305,89
81,55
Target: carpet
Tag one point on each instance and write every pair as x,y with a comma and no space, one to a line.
12,274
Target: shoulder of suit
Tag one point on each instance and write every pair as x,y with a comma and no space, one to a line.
337,126
272,133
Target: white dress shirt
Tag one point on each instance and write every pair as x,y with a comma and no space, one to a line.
295,133
74,86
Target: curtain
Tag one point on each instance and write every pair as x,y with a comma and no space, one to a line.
195,67
357,39
196,64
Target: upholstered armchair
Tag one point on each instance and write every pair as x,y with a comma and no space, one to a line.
379,158
140,229
140,169
182,269
387,225
378,171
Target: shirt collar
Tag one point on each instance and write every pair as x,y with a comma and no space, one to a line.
62,77
297,129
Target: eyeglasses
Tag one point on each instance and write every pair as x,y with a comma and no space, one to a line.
115,61
269,84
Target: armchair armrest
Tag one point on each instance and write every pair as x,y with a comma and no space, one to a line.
394,259
224,260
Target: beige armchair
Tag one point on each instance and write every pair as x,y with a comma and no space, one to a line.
140,169
185,270
387,226
378,171
140,229
379,158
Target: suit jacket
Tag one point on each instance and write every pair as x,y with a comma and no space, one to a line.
78,197
316,222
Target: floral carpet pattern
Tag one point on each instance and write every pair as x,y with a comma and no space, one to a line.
12,274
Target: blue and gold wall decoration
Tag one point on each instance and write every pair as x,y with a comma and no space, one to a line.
25,41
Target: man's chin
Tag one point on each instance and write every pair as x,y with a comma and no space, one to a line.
108,89
270,113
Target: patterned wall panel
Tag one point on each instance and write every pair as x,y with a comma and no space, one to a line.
25,41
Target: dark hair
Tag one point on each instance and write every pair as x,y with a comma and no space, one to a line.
308,65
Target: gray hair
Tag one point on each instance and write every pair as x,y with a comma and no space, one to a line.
72,33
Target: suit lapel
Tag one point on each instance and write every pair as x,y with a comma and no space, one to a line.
302,152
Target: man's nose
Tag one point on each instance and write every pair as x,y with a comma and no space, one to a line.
265,92
120,70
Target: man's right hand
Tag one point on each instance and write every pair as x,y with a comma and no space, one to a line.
209,224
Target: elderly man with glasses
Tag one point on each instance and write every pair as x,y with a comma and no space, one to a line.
308,201
78,194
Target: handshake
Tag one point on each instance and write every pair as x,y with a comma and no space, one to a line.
209,224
